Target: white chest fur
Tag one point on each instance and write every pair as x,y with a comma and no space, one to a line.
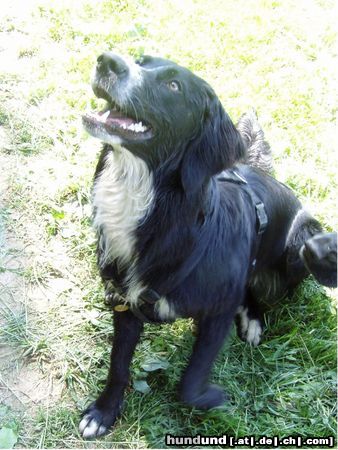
122,196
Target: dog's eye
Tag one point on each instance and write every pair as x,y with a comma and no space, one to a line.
174,86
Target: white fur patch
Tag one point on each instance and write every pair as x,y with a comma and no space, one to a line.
135,74
135,288
294,224
244,320
251,329
164,309
254,332
122,196
90,428
124,92
301,255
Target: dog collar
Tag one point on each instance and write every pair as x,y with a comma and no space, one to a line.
119,304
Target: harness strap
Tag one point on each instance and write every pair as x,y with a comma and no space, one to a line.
232,176
150,296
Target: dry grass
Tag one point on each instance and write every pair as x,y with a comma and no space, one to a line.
279,58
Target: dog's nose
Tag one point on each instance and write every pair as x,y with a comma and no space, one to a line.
108,62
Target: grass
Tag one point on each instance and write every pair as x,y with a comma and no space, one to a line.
276,56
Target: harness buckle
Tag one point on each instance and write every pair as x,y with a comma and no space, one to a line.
262,218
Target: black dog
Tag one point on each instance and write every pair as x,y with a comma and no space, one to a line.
177,237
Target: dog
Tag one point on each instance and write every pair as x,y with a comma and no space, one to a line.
186,227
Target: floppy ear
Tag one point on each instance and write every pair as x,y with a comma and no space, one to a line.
217,147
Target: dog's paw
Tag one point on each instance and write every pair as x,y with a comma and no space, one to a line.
249,329
212,397
319,255
96,422
254,332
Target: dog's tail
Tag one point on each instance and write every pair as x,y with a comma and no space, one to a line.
258,150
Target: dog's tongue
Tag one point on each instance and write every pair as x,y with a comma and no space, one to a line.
112,117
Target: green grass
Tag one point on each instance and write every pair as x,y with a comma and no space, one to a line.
278,57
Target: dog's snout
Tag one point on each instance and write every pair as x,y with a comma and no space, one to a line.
110,63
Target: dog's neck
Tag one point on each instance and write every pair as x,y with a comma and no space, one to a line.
122,196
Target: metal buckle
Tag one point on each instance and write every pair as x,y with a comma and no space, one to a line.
262,218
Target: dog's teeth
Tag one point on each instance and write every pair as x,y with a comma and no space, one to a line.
142,127
139,127
104,116
135,127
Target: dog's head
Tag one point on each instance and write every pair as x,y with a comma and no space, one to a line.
164,114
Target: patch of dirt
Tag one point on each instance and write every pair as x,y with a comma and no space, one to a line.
28,388
23,386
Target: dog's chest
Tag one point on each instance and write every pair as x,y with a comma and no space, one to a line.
122,197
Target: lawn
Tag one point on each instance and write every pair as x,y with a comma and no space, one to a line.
55,331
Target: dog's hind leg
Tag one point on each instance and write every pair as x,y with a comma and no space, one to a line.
194,387
101,414
319,255
249,320
309,250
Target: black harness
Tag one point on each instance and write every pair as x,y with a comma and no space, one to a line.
149,297
233,176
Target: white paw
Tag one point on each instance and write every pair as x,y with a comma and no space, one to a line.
250,329
89,428
254,332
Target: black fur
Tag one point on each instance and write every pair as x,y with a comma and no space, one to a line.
197,245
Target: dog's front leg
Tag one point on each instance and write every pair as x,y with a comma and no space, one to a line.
194,388
102,413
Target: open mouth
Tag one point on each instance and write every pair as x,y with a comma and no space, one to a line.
114,122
